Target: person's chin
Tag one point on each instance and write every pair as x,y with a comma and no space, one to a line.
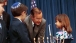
38,24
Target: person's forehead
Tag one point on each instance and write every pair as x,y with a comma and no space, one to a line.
38,14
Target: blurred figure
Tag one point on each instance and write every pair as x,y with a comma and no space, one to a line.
5,16
63,24
3,30
17,31
36,25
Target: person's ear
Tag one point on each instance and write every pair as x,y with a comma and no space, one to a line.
5,3
24,12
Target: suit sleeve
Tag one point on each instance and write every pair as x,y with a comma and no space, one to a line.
23,34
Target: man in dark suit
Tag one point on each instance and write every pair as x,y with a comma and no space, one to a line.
17,31
36,25
5,16
3,30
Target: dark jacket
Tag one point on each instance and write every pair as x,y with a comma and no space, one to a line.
18,32
3,32
6,18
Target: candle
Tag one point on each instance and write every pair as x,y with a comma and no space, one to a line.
47,40
34,40
49,29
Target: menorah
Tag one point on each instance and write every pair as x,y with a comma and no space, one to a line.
39,40
51,39
47,40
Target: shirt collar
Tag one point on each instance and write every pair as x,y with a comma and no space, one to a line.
19,19
32,23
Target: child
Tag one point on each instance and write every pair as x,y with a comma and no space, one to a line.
18,32
63,23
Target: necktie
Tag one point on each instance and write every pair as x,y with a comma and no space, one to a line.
33,27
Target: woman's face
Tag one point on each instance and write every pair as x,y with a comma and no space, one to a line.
58,24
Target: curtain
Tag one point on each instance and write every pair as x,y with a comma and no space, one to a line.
50,9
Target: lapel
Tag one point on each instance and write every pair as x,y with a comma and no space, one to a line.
3,32
3,29
30,27
5,16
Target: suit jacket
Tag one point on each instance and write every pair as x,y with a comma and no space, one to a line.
39,31
3,34
6,18
18,32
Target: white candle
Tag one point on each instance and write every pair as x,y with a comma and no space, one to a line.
49,29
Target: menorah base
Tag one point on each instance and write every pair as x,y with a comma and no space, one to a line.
65,41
